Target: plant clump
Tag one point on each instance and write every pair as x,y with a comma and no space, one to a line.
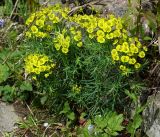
126,50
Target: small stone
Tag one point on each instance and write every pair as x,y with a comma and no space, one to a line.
91,129
45,124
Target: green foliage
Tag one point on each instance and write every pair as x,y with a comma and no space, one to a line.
104,126
67,111
5,134
70,119
109,124
26,86
137,121
4,72
8,7
30,123
7,93
12,83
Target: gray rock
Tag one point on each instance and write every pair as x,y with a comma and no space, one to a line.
151,116
118,7
8,117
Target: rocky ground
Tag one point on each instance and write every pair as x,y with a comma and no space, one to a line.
10,114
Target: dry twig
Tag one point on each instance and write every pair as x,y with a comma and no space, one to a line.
97,2
15,5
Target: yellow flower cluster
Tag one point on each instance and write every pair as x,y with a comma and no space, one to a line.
62,42
85,21
100,28
125,50
127,53
76,88
42,22
77,36
36,64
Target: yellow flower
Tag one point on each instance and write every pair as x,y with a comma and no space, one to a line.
141,54
130,39
90,30
130,54
91,36
34,29
37,63
34,78
30,20
77,38
57,46
115,57
136,39
124,31
66,44
41,34
41,61
64,15
132,61
107,28
79,44
139,45
37,71
124,36
145,48
125,47
117,33
53,65
101,39
119,48
100,33
114,52
46,75
137,65
122,67
49,28
65,50
28,34
76,89
101,23
40,23
51,16
119,26
64,31
124,58
111,16
56,20
93,24
109,36
125,44
72,29
115,42
85,25
110,23
73,32
133,49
